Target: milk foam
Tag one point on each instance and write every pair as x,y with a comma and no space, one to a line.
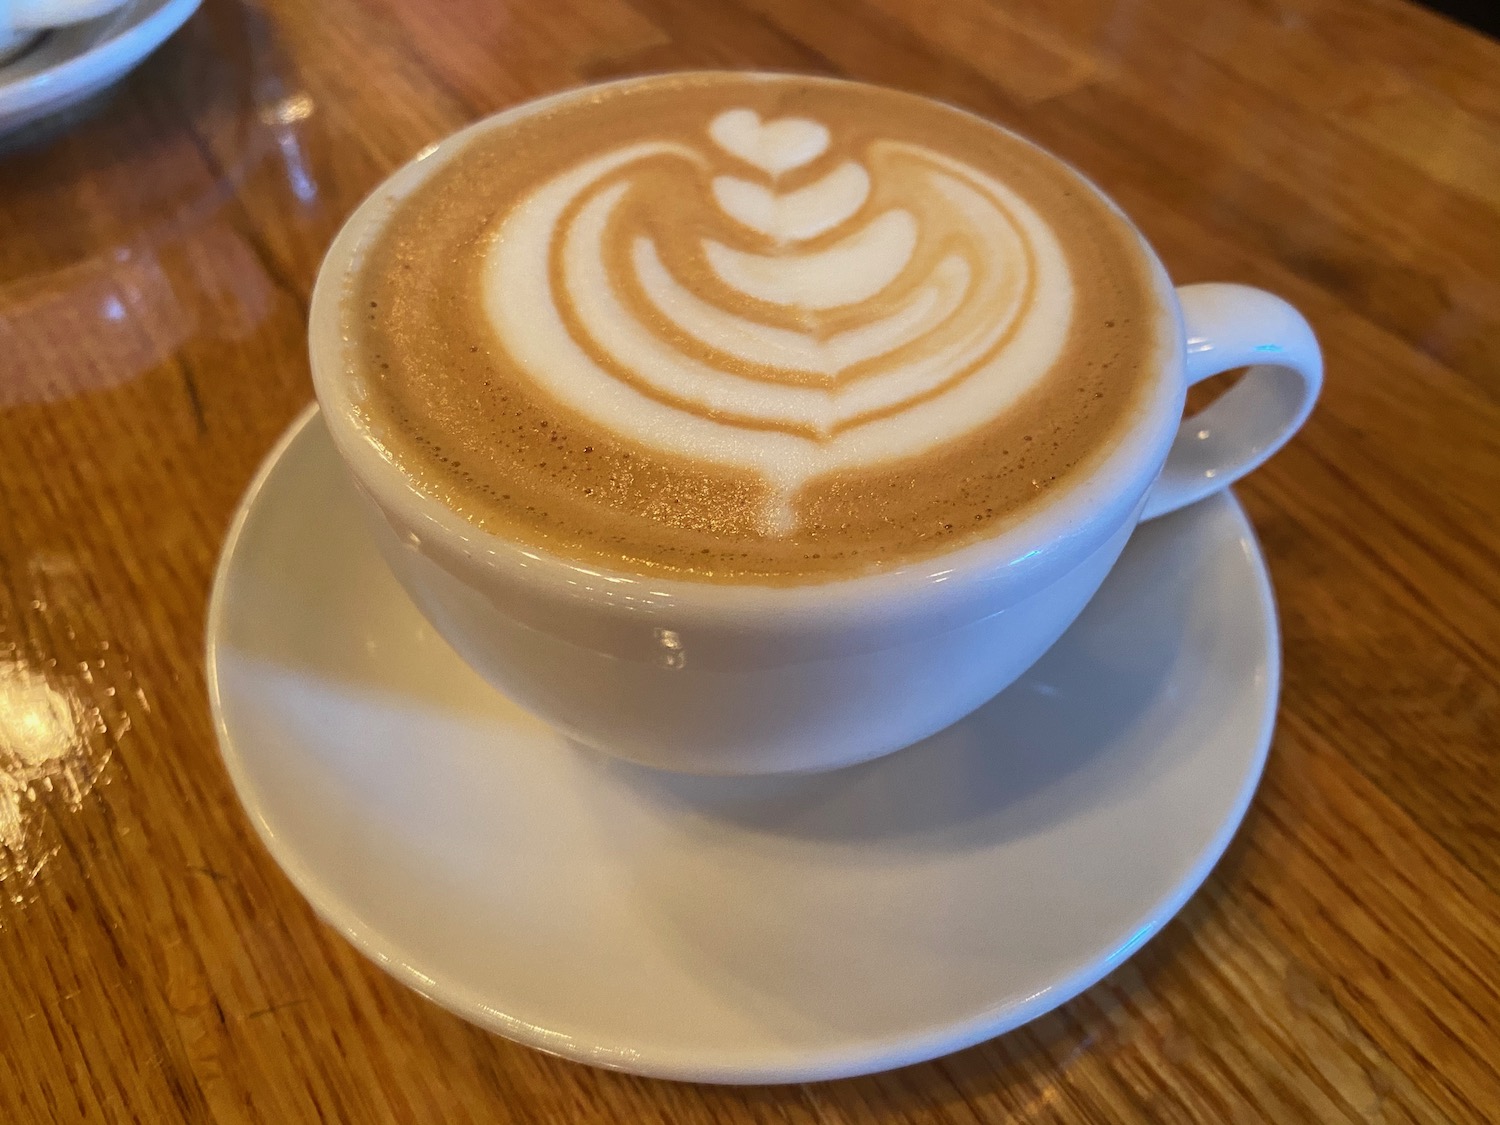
953,296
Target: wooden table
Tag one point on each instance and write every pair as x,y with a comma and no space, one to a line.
1341,964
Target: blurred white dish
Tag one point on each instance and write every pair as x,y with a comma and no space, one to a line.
734,929
22,22
70,63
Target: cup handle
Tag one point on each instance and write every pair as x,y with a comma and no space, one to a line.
1230,326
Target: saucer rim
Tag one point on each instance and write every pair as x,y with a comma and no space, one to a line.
852,1057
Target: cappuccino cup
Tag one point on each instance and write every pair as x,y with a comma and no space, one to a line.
753,423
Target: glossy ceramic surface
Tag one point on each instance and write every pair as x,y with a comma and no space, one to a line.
735,930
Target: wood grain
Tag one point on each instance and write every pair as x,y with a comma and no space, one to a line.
1342,964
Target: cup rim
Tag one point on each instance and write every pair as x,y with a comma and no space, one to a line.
1016,559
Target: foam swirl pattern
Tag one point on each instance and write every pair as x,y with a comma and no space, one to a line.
885,302
749,327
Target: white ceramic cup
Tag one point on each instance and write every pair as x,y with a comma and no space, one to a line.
742,679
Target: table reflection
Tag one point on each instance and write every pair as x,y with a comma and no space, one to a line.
141,263
137,242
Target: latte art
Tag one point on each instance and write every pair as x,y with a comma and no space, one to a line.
749,328
874,312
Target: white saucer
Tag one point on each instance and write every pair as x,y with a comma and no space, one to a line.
763,930
69,63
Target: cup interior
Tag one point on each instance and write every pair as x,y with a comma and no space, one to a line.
1016,559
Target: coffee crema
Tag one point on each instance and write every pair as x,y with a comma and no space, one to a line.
752,328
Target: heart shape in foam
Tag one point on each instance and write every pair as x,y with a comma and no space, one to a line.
772,146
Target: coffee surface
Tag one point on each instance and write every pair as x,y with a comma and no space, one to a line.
750,328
